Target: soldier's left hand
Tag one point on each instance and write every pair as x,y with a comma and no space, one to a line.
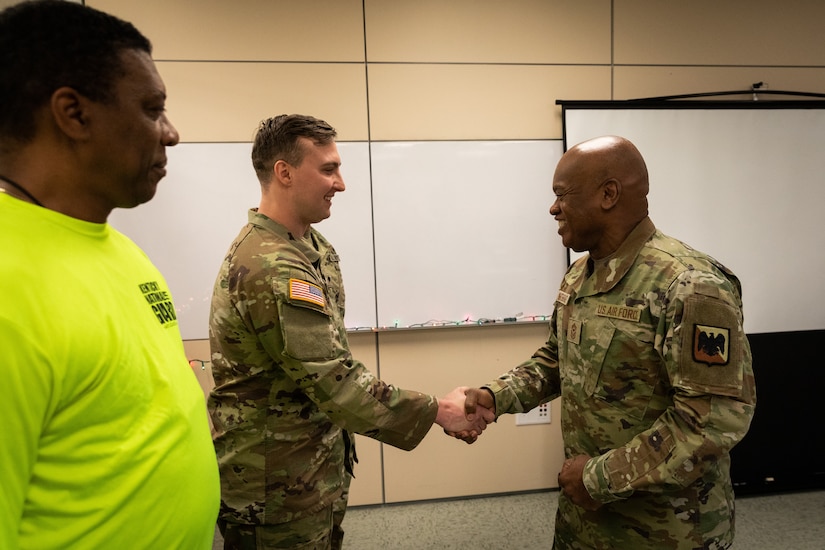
571,483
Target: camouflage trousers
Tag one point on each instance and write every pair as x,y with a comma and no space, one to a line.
316,532
321,531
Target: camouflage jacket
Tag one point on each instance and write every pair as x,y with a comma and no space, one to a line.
653,367
286,385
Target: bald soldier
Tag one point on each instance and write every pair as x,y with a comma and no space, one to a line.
648,354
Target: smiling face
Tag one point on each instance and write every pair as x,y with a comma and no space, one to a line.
601,188
129,142
577,207
314,182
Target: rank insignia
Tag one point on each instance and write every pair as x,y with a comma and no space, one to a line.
711,345
574,331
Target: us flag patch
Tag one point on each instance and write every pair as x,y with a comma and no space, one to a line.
711,345
308,292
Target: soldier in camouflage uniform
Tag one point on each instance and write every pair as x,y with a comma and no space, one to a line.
648,354
288,391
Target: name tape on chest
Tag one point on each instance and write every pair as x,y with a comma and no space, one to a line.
619,312
306,291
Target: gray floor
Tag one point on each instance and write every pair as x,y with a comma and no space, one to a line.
525,522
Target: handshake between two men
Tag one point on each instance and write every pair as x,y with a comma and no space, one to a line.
465,412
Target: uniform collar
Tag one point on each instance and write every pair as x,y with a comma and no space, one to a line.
303,243
607,274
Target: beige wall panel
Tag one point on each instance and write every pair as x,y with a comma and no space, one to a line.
220,102
439,102
488,31
7,3
709,32
248,30
638,82
199,350
506,457
367,487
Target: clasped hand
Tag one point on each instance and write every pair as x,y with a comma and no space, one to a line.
571,483
462,415
479,410
471,409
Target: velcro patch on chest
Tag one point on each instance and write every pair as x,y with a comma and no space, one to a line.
306,292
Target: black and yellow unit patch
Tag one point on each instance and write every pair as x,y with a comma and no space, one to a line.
711,345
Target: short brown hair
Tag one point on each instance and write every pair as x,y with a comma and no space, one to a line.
277,138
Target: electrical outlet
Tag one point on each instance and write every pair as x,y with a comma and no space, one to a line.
539,415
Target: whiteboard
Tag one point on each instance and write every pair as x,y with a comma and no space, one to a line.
463,230
746,186
201,206
425,230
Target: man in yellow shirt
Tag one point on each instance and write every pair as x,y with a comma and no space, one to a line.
105,440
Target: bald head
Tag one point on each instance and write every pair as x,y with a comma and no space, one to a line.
601,188
612,157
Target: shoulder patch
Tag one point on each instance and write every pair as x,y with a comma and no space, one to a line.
306,292
711,345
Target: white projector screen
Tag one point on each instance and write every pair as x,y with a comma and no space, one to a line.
745,185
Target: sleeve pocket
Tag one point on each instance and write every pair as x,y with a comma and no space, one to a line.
308,334
712,347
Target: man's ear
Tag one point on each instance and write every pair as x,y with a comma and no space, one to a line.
282,171
70,111
610,192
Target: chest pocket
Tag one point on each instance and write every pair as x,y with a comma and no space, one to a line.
625,369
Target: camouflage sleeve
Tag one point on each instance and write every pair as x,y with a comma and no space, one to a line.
311,348
708,362
531,383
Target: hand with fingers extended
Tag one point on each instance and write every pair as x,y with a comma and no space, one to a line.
453,418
